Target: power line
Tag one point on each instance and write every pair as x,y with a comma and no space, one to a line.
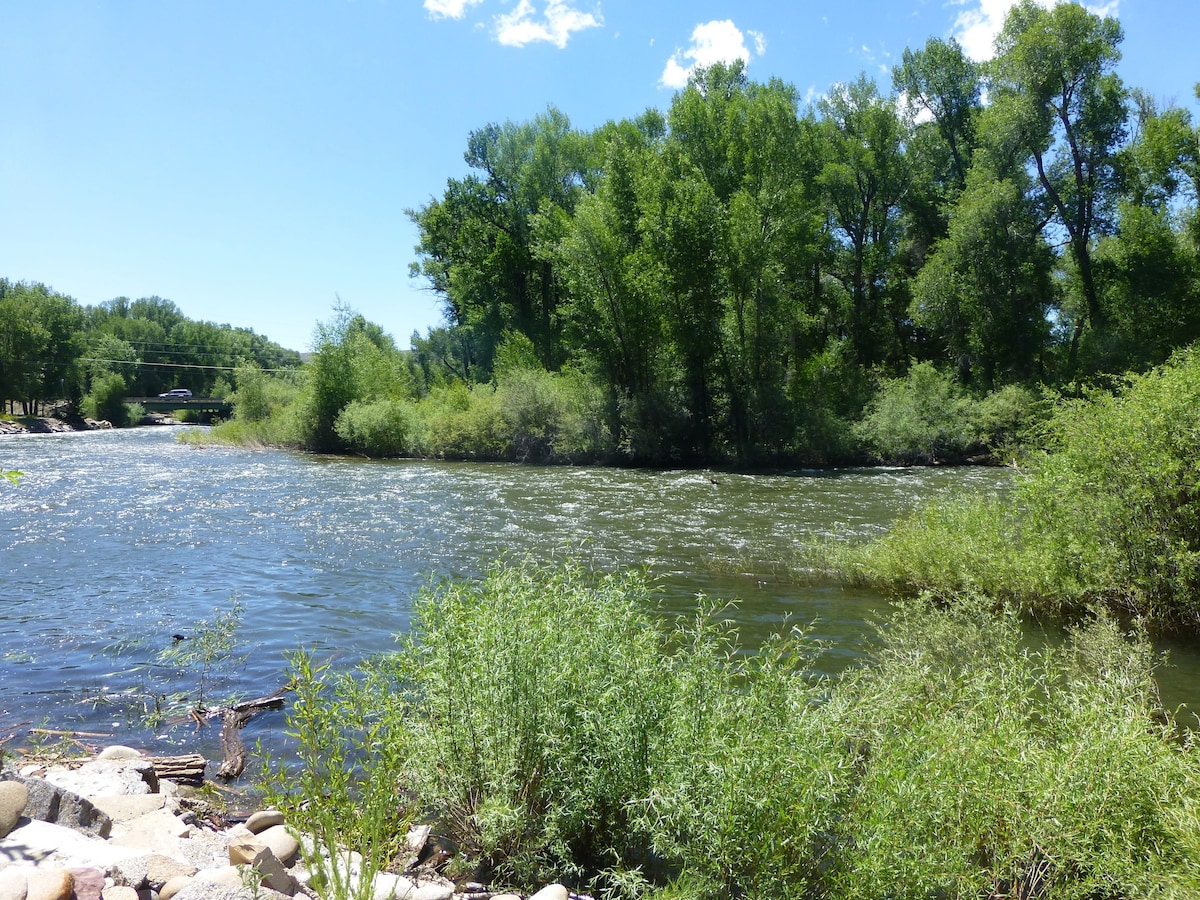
138,362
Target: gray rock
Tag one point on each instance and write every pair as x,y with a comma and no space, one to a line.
155,832
116,751
223,876
120,892
151,871
108,777
278,841
13,797
49,803
552,892
432,891
14,882
264,819
200,890
125,807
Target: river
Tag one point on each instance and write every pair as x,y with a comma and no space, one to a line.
115,541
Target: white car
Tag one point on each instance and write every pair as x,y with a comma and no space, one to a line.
177,394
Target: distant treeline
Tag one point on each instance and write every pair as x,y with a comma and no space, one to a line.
52,348
749,279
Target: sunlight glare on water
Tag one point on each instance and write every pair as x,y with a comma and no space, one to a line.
114,541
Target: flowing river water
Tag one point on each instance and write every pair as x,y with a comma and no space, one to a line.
114,542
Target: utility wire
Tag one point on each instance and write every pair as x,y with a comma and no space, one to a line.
138,362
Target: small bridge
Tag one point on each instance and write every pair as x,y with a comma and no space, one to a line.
207,408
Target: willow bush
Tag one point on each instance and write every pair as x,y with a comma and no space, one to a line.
554,726
1110,514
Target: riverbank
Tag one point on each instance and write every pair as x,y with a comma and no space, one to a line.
111,826
64,422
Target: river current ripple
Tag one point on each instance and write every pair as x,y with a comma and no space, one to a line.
115,541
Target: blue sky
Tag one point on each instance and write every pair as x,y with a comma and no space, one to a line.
252,161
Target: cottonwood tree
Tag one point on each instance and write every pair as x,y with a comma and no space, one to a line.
1059,103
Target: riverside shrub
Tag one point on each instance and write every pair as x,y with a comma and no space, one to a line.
558,729
992,770
1109,514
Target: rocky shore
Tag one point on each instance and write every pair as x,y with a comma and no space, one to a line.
47,425
110,828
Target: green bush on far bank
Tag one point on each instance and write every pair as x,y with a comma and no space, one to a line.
926,417
557,729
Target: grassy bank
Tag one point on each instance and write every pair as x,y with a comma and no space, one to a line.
555,727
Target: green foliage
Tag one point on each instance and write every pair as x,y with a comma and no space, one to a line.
533,702
378,428
351,760
988,769
1118,498
208,645
559,730
106,401
920,418
748,788
1109,515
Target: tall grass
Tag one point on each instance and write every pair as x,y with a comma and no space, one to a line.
559,729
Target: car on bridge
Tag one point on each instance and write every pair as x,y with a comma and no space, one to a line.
177,394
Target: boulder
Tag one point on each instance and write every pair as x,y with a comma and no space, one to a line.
14,882
50,803
50,884
116,751
154,832
125,807
45,844
107,777
272,873
278,841
199,890
173,886
89,883
552,892
151,871
13,797
264,819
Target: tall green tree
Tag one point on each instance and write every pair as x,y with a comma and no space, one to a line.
865,177
1061,106
940,93
40,332
985,292
478,242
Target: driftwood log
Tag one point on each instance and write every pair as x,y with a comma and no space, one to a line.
187,769
233,718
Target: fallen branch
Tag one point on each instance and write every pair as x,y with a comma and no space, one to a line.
233,719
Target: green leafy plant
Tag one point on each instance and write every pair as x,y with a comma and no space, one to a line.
548,721
208,646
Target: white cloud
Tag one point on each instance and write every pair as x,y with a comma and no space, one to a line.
719,41
976,28
919,113
555,24
449,9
